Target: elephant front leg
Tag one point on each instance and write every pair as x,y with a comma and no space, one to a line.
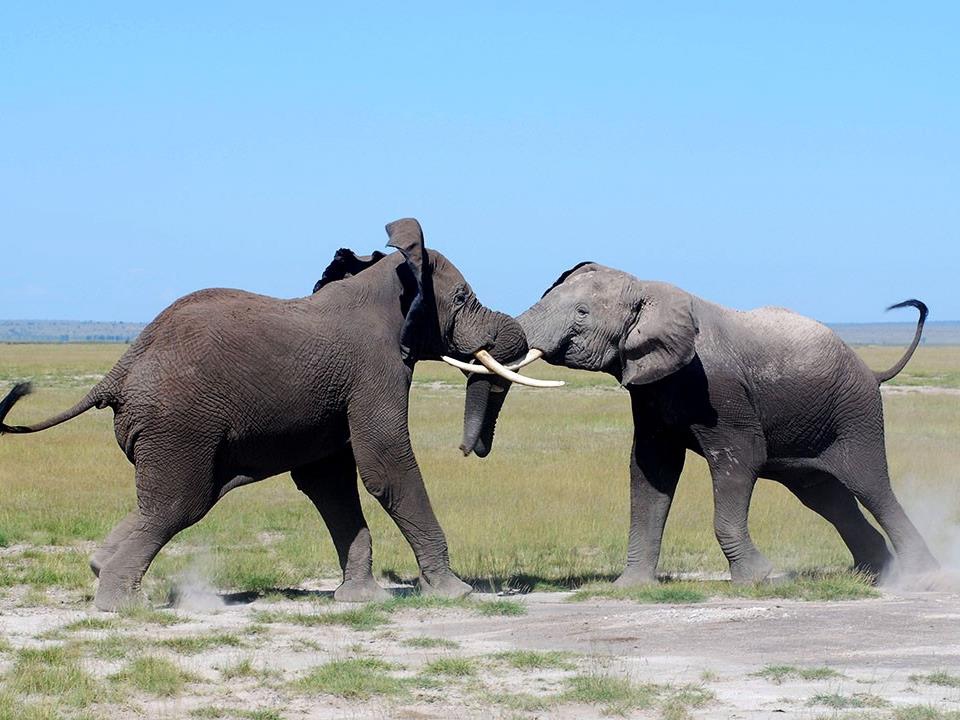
390,473
733,486
655,467
331,485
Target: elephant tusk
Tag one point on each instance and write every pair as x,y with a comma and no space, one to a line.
531,356
466,367
488,362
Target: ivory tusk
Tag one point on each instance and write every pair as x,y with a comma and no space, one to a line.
488,362
531,356
466,367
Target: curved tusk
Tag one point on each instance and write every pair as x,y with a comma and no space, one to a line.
466,367
531,356
488,362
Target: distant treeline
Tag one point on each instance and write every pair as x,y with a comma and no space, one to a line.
53,331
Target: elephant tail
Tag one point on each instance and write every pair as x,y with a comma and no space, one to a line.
885,375
21,389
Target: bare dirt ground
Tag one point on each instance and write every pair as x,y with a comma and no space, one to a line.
877,656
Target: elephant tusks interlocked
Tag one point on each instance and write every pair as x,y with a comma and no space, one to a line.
493,366
531,356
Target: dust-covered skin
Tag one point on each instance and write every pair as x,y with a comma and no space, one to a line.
744,658
226,387
761,393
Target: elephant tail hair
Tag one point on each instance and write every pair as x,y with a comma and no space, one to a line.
21,389
885,375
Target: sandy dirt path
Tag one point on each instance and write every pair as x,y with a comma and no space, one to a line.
881,652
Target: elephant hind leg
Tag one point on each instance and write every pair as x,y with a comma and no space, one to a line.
827,496
331,485
864,472
119,533
171,495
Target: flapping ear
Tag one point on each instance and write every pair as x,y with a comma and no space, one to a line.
661,339
346,264
407,237
567,274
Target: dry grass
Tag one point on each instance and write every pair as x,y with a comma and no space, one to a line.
548,507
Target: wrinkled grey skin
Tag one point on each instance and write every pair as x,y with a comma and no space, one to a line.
226,387
761,393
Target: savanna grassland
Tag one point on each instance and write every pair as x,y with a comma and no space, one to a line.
546,511
547,507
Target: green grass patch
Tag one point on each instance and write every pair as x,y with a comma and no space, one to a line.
90,623
146,614
367,617
155,676
356,678
924,712
846,702
451,667
14,707
54,671
41,569
833,585
940,678
534,660
778,673
428,643
111,647
495,608
617,695
193,644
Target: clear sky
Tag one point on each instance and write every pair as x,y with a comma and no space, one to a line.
796,154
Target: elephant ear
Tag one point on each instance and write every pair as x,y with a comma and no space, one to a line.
560,280
347,264
661,339
407,237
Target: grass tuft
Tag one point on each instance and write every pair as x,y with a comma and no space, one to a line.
430,642
939,678
534,660
54,671
356,678
924,712
845,702
193,644
618,696
778,673
451,667
155,676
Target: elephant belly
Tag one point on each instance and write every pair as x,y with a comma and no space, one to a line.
265,454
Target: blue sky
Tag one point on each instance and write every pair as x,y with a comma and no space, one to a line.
796,154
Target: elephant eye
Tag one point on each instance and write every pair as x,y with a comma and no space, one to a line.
582,311
460,297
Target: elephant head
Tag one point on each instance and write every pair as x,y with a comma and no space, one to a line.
443,319
597,318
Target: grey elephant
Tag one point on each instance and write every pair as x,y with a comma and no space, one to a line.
761,393
226,387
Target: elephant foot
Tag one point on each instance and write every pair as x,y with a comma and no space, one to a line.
445,585
114,600
360,590
750,570
635,577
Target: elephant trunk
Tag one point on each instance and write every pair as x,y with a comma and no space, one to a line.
486,393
